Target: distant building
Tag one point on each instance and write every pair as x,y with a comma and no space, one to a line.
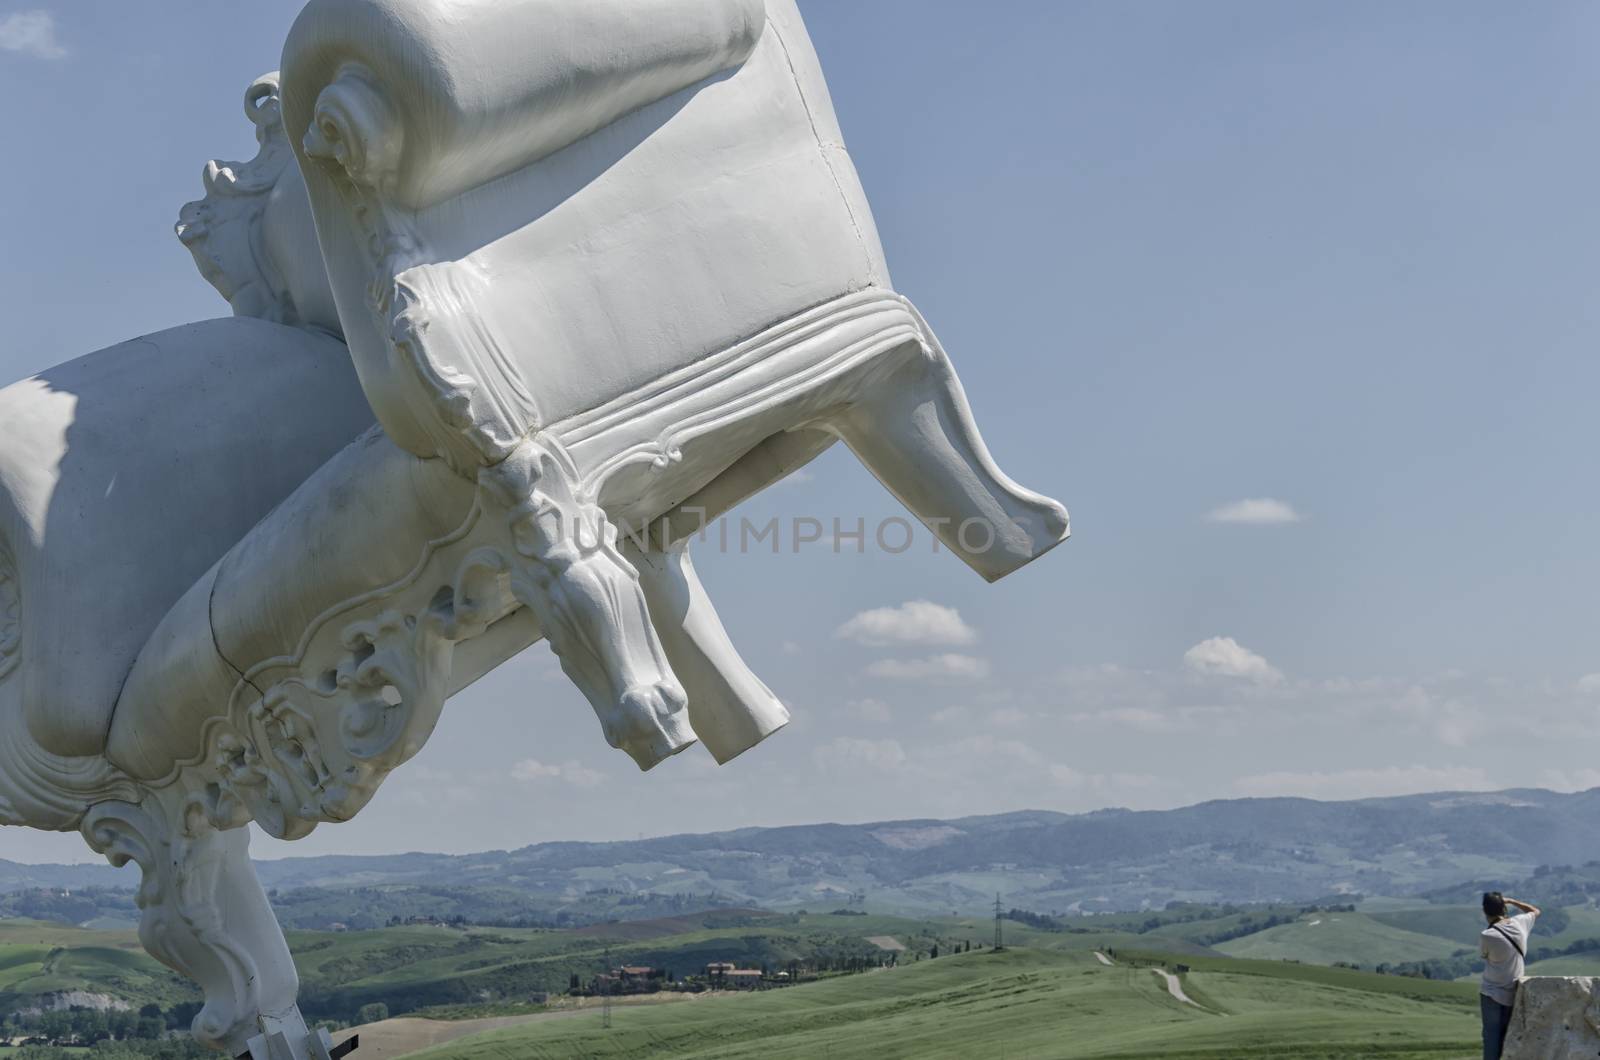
730,976
629,979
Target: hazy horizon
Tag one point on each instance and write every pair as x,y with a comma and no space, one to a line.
287,851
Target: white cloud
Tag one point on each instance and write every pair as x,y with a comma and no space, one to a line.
31,33
1589,683
1066,776
1131,717
1570,779
1008,716
1255,511
873,710
1452,722
574,773
1458,727
1365,783
983,754
848,753
430,787
1104,784
934,667
951,716
1226,657
915,622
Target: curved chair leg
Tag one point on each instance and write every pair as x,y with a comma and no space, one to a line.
203,914
730,708
589,602
914,431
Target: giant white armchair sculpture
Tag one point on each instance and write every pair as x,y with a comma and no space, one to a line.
599,270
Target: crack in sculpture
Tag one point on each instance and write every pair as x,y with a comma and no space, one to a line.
10,611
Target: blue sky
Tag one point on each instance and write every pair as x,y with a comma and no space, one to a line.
1335,257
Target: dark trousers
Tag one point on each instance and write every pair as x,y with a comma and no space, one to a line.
1496,1021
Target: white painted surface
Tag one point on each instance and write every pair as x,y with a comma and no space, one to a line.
597,265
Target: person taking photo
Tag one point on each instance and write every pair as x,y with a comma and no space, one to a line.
1504,947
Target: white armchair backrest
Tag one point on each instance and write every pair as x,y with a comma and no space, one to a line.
531,208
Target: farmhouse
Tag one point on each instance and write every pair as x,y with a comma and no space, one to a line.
728,976
629,979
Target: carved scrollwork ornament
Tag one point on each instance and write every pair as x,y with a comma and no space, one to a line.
224,231
588,600
180,903
354,126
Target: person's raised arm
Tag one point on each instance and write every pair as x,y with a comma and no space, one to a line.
1524,906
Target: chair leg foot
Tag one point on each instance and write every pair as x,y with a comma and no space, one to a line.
203,913
915,432
729,706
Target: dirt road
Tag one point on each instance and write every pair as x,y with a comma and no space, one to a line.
1175,988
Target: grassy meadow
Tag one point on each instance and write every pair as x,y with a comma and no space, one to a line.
1024,1002
39,958
1262,982
1354,938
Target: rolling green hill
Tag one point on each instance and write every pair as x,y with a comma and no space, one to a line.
420,967
412,968
1047,995
39,959
1458,922
1045,862
1576,964
1024,1003
1354,938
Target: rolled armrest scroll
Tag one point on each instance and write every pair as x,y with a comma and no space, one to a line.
446,95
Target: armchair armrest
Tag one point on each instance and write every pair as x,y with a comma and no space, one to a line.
427,99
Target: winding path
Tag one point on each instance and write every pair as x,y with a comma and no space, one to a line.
1175,988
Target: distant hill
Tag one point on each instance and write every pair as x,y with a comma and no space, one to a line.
1240,850
947,995
1031,1002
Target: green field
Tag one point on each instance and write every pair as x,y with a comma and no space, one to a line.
412,968
1262,991
1354,938
40,958
1459,922
423,967
1027,1003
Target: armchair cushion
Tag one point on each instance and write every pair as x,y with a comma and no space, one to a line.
125,474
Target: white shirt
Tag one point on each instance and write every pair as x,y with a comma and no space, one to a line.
1502,961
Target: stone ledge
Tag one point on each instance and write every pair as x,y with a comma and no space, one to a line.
1555,1018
